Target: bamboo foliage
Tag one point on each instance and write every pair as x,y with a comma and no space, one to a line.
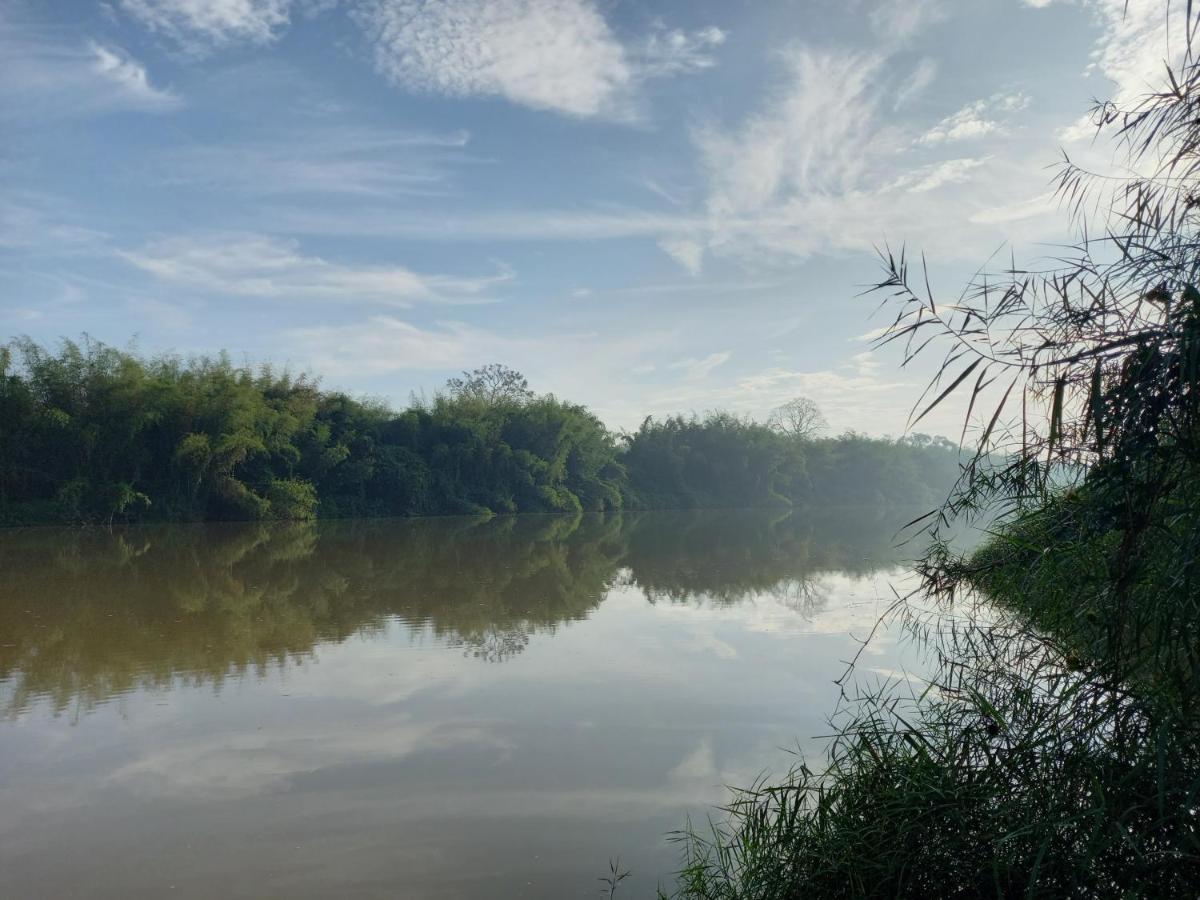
1055,749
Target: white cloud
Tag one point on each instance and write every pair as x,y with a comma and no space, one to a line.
584,366
687,253
548,54
932,177
199,24
809,138
43,76
853,395
1015,212
897,22
865,363
255,265
863,392
38,223
872,334
797,172
695,369
820,168
671,194
130,78
558,55
1130,52
361,162
916,84
506,225
385,344
975,120
676,51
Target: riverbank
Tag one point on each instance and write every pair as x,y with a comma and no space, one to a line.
1055,752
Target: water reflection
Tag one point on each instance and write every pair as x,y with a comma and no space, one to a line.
721,557
437,708
87,615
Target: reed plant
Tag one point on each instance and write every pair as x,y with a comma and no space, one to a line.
1055,750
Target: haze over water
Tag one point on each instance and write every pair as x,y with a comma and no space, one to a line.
437,708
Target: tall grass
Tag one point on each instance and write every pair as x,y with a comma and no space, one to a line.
1023,769
1056,749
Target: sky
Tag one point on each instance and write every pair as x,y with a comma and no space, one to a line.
646,207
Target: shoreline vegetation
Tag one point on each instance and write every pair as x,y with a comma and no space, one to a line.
1054,751
93,434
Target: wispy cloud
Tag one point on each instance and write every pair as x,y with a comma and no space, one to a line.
505,225
606,373
675,51
688,253
35,223
1132,48
256,265
916,83
811,145
384,345
821,166
807,138
44,75
558,55
871,335
937,175
129,77
1039,205
201,24
696,369
897,22
975,120
361,162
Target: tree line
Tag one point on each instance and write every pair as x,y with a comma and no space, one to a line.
91,433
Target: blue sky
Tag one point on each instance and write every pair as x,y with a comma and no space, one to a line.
645,207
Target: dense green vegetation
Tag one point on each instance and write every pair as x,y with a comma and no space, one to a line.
1056,749
94,434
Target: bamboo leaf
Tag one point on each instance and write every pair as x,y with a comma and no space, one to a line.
971,406
944,394
1056,411
996,416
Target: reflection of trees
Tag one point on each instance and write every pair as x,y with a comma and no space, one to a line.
85,616
88,615
724,555
803,596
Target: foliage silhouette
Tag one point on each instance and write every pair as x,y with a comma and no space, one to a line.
93,434
1056,749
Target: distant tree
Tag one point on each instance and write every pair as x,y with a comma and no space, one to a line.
799,418
492,384
928,441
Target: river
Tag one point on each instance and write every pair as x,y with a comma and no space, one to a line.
413,708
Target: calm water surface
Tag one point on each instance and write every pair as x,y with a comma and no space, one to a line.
429,708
